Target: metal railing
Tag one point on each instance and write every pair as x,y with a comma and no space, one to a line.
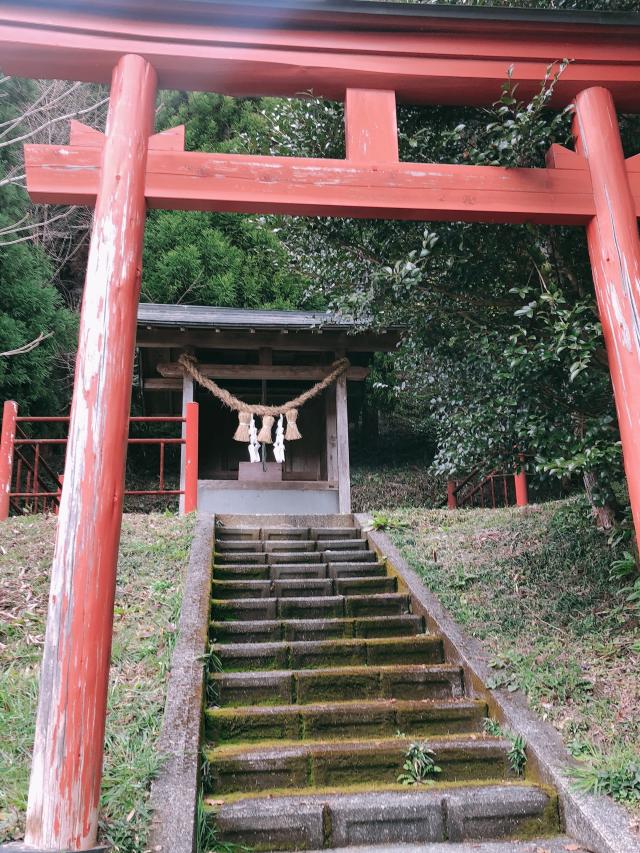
30,483
492,490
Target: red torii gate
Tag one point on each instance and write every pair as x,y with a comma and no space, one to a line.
369,55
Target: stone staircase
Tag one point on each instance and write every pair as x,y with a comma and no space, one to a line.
326,679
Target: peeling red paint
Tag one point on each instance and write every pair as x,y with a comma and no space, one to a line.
614,249
7,438
67,766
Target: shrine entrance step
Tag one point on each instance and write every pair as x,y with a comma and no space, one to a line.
325,678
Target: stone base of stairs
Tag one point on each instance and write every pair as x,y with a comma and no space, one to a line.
561,844
324,683
409,816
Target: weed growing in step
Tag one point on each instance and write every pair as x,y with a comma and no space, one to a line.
386,522
419,766
211,663
206,834
517,753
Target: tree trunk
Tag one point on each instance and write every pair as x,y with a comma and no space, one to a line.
605,515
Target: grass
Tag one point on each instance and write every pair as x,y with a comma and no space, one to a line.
153,556
536,587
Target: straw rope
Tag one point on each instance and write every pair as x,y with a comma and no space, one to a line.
190,364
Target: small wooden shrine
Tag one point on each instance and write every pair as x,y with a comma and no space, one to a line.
261,358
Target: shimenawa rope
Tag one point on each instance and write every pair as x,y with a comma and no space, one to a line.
269,413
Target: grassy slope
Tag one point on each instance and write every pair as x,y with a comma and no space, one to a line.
534,586
153,557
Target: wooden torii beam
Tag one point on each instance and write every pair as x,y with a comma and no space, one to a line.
369,183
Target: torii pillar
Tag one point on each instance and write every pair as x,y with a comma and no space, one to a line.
64,791
614,249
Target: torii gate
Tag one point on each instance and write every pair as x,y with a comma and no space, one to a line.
369,55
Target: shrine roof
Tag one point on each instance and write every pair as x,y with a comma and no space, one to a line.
241,319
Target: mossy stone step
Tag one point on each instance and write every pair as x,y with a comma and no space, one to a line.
320,654
326,763
268,631
296,557
335,533
354,570
381,718
239,546
223,558
309,686
320,607
224,533
280,571
557,844
332,555
355,821
301,587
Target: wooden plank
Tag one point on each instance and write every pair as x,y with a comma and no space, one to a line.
260,371
453,63
187,397
331,435
323,187
371,126
342,430
169,337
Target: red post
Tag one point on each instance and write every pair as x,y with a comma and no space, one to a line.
191,459
66,772
614,249
520,482
7,443
452,501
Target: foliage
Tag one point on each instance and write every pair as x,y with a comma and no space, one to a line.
216,258
419,766
503,348
535,587
381,521
517,753
29,303
614,773
153,556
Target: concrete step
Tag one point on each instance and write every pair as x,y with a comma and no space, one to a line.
310,607
286,764
224,558
309,686
337,556
271,631
301,587
244,657
296,557
557,844
433,820
258,571
340,720
353,570
269,534
289,545
224,533
335,533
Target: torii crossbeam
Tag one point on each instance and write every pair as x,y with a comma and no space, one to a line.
369,55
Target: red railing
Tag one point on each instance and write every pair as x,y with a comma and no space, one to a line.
29,482
498,488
